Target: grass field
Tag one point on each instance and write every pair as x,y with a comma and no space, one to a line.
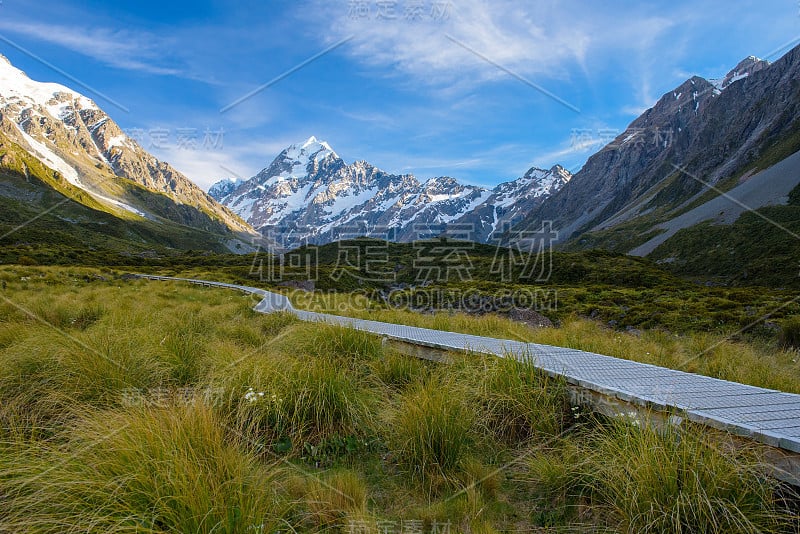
133,406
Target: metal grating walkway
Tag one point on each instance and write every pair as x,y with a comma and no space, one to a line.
768,416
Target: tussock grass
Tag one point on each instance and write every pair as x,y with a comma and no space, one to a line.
276,396
652,479
517,401
306,401
66,314
175,408
328,501
158,470
55,377
790,332
431,428
325,340
399,371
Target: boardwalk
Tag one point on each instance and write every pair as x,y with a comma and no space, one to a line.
768,416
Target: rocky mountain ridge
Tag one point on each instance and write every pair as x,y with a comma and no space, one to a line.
309,194
699,140
70,134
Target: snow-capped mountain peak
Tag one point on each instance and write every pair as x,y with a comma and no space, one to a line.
16,86
225,187
312,149
309,192
71,135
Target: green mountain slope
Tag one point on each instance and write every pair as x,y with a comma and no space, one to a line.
43,216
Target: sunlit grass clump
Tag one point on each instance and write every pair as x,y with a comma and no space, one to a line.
659,479
175,469
431,428
517,401
790,332
281,398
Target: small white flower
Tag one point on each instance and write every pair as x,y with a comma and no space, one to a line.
252,395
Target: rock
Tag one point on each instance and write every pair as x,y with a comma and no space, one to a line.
304,285
530,317
633,331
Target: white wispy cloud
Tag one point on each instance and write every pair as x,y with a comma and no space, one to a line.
551,39
123,49
206,167
510,34
567,154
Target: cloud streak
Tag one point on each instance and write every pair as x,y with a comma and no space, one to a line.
122,49
516,37
546,40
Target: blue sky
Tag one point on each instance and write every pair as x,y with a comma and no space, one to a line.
478,90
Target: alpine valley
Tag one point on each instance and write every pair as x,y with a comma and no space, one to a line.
697,183
606,342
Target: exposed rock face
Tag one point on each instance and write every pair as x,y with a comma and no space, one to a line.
703,131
